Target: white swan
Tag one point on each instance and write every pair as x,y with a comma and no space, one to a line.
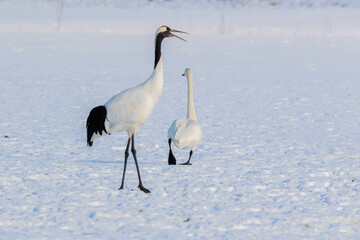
185,133
128,110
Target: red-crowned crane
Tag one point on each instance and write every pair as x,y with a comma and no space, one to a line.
185,133
128,110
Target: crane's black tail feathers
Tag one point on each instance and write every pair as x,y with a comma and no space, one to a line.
95,123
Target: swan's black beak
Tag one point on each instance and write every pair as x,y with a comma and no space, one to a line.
177,31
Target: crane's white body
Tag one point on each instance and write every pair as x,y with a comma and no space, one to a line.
128,110
186,133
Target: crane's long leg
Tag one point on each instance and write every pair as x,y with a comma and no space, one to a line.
171,159
188,162
125,162
137,167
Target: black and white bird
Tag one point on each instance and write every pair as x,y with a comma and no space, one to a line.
128,110
185,133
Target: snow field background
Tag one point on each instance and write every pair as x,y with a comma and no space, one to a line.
277,92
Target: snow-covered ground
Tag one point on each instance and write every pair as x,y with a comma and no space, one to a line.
277,92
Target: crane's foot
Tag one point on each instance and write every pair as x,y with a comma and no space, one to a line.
121,187
144,189
187,163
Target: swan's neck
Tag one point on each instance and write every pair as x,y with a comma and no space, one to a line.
190,104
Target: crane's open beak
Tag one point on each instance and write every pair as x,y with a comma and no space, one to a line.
177,31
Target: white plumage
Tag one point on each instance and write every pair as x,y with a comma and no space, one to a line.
128,110
185,133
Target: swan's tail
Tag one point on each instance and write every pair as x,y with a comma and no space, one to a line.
95,124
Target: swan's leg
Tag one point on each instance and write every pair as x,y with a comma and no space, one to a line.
171,159
124,170
133,151
188,162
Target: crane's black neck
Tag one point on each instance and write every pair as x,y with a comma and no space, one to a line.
158,42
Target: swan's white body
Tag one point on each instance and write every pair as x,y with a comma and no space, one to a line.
186,133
